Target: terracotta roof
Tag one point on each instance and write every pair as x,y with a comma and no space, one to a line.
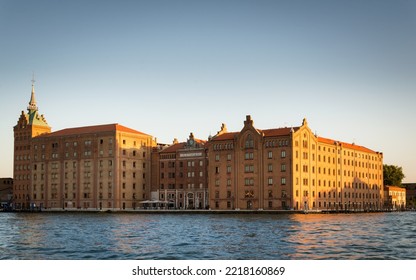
345,145
326,140
267,133
225,136
92,129
396,188
173,148
278,131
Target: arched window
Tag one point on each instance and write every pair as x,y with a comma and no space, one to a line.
249,141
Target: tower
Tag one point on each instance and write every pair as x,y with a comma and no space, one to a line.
29,125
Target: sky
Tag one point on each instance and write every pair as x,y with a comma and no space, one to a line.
168,68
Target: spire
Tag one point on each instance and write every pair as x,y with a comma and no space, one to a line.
32,103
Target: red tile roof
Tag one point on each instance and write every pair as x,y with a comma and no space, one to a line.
278,131
173,148
326,140
345,145
267,133
92,129
225,136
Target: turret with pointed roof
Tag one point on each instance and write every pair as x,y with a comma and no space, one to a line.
29,125
32,116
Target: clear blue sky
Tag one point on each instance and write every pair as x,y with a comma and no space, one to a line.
171,67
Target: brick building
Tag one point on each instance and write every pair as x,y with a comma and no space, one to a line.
181,174
410,195
291,168
6,192
94,167
394,198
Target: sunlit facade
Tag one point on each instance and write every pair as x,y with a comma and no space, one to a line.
291,168
94,167
29,125
181,175
394,198
115,167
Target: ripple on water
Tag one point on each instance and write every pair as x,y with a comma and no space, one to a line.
126,236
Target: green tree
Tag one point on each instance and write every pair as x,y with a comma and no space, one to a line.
393,175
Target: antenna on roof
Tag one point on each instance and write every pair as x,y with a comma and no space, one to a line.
33,78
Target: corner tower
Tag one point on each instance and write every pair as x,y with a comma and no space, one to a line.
29,125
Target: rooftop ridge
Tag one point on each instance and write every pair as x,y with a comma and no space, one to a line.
352,146
92,129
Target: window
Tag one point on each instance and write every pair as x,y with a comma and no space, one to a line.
229,169
217,157
228,157
249,156
270,181
270,167
248,181
249,168
283,154
283,167
270,155
283,181
249,142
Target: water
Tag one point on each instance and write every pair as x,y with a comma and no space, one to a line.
80,236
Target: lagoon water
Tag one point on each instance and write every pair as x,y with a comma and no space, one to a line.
99,236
